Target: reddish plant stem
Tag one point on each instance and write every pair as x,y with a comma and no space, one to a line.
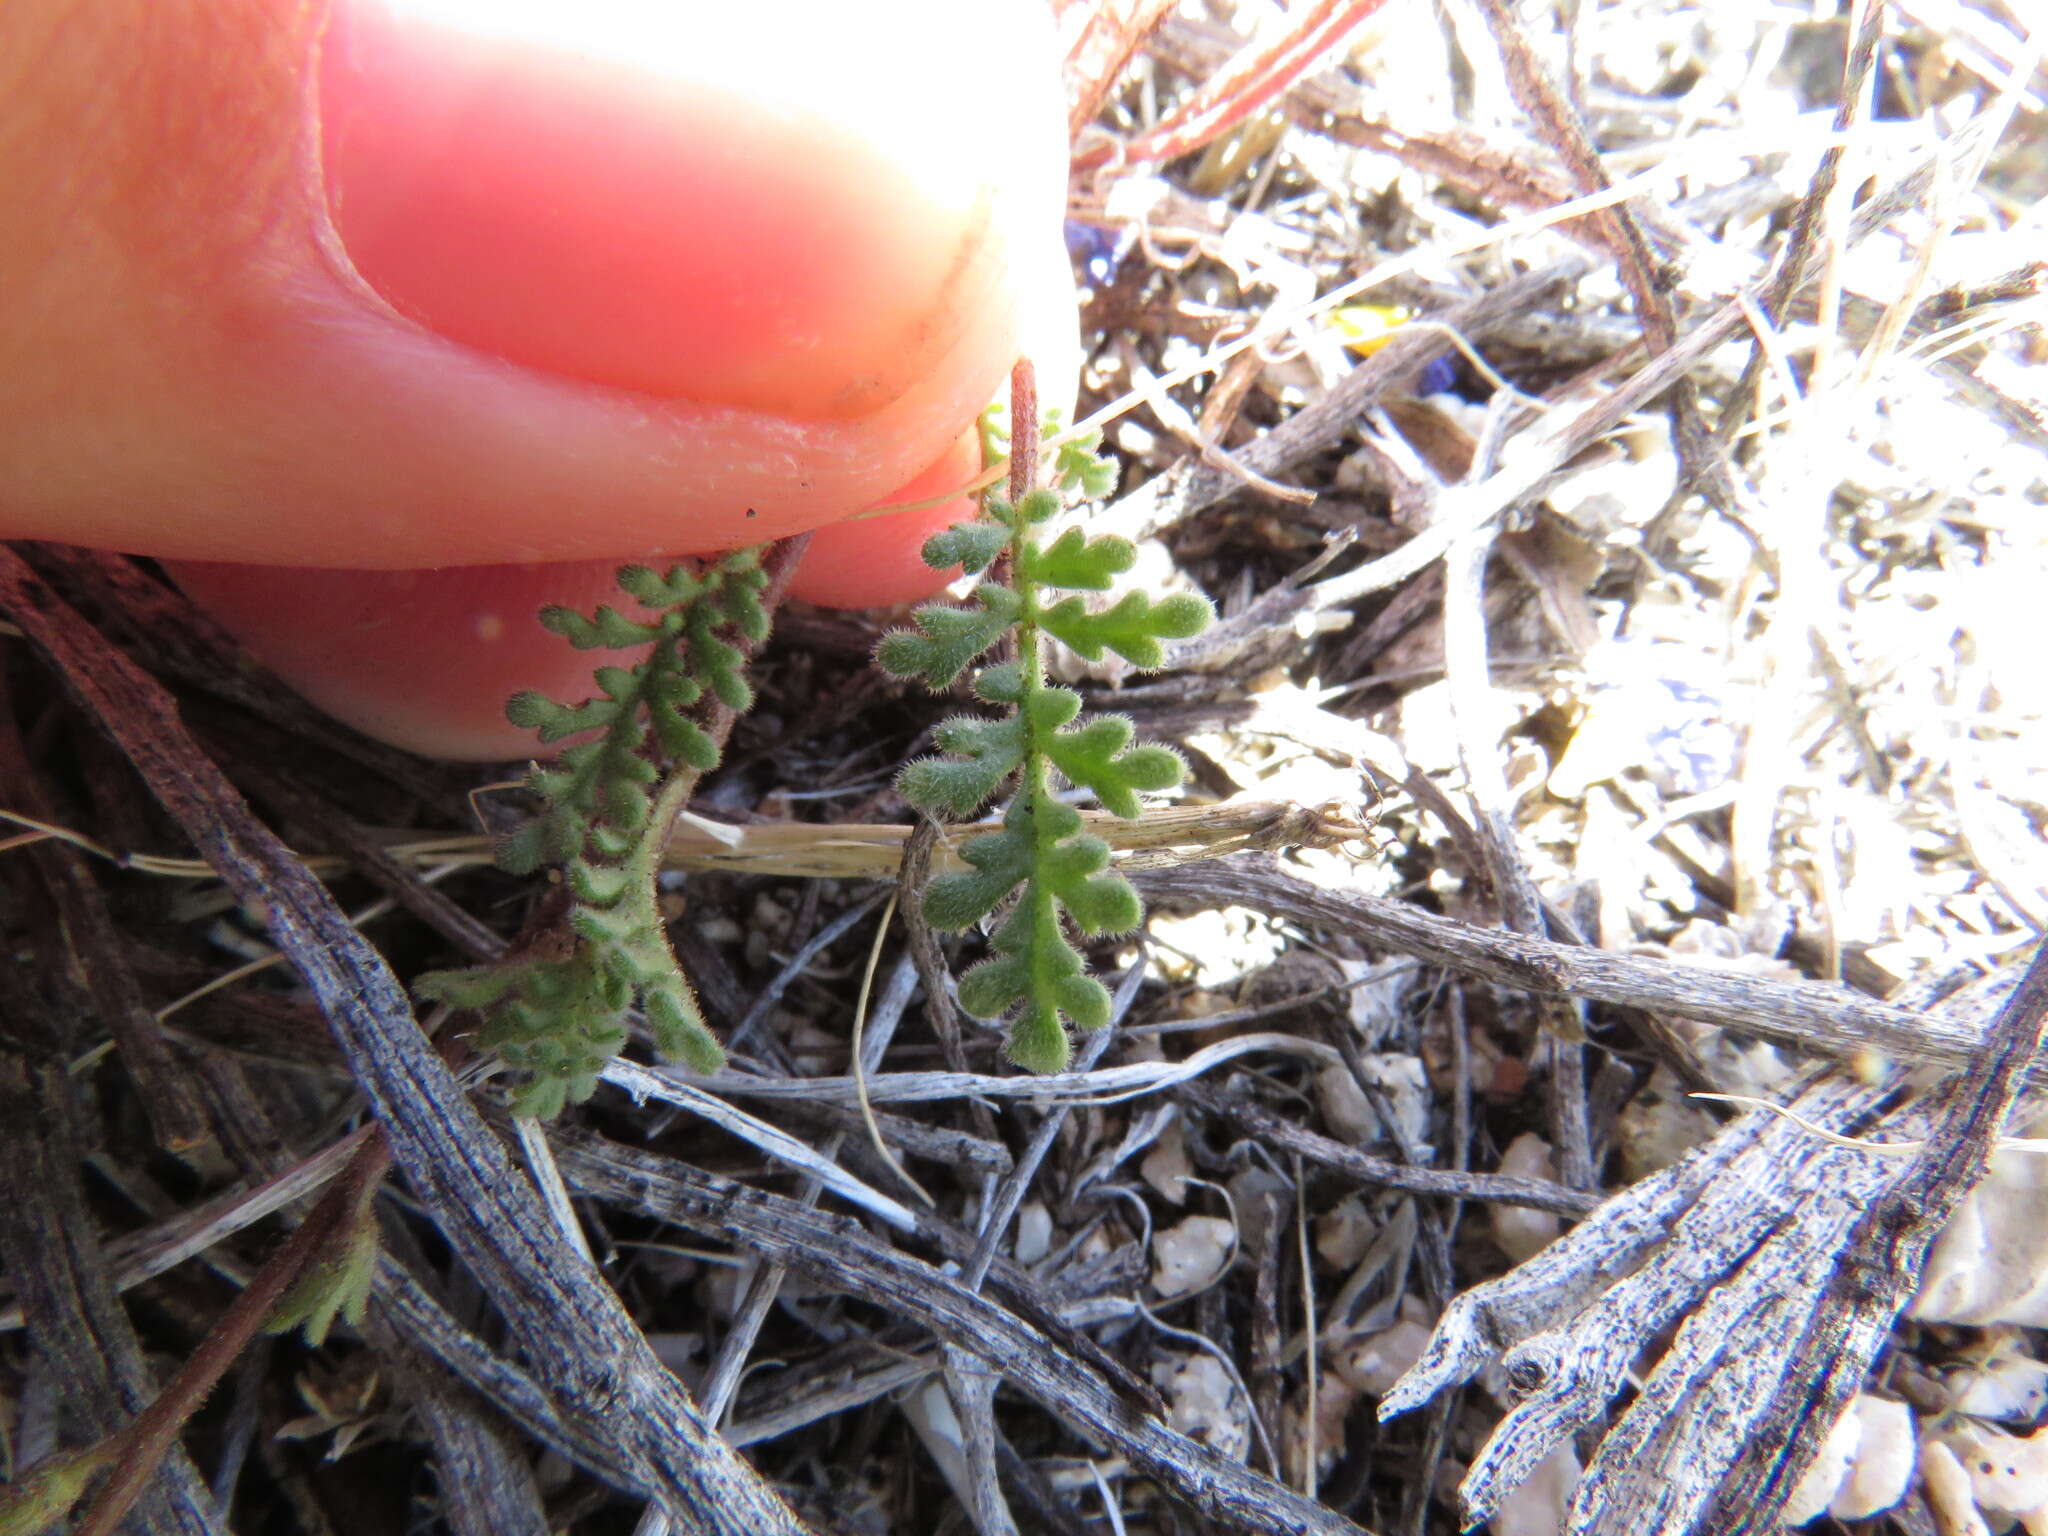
1244,86
140,1448
1112,33
1023,429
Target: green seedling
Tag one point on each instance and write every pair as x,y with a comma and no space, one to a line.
607,805
1036,740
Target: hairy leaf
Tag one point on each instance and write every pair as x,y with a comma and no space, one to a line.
1132,628
561,1020
1074,560
1078,467
947,640
1051,875
971,546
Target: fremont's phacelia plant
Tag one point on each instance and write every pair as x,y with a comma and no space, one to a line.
1036,739
607,806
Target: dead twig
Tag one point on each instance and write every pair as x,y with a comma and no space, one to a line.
597,1364
840,1255
1831,1021
1877,1269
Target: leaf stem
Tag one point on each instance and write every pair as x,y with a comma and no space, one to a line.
558,1010
141,1447
1041,864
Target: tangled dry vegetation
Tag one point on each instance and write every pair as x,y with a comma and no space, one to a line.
1625,686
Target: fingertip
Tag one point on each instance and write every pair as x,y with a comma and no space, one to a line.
423,660
877,560
621,192
537,353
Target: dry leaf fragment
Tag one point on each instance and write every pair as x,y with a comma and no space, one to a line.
1990,1264
1166,1167
1034,1233
2010,1385
1865,1465
1536,1508
1947,1487
1203,1402
1345,1108
1376,1362
1191,1254
2008,1473
1658,1126
1344,1232
1883,1468
1522,1234
1830,1467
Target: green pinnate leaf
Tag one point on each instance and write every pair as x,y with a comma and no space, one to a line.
1002,683
610,843
1001,742
948,640
532,711
1069,864
550,1090
1085,1001
627,806
628,770
1041,867
1152,769
1049,709
618,778
645,963
1133,627
984,754
1078,468
1098,903
1094,756
679,1031
594,715
1035,965
527,848
1037,1043
744,565
1074,560
561,1020
957,901
597,885
571,778
1036,507
722,666
1046,822
992,988
673,690
944,787
677,587
613,930
682,738
477,987
335,1286
733,690
973,546
998,863
1105,904
606,629
617,684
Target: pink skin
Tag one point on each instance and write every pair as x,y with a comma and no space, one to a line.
401,631
416,294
